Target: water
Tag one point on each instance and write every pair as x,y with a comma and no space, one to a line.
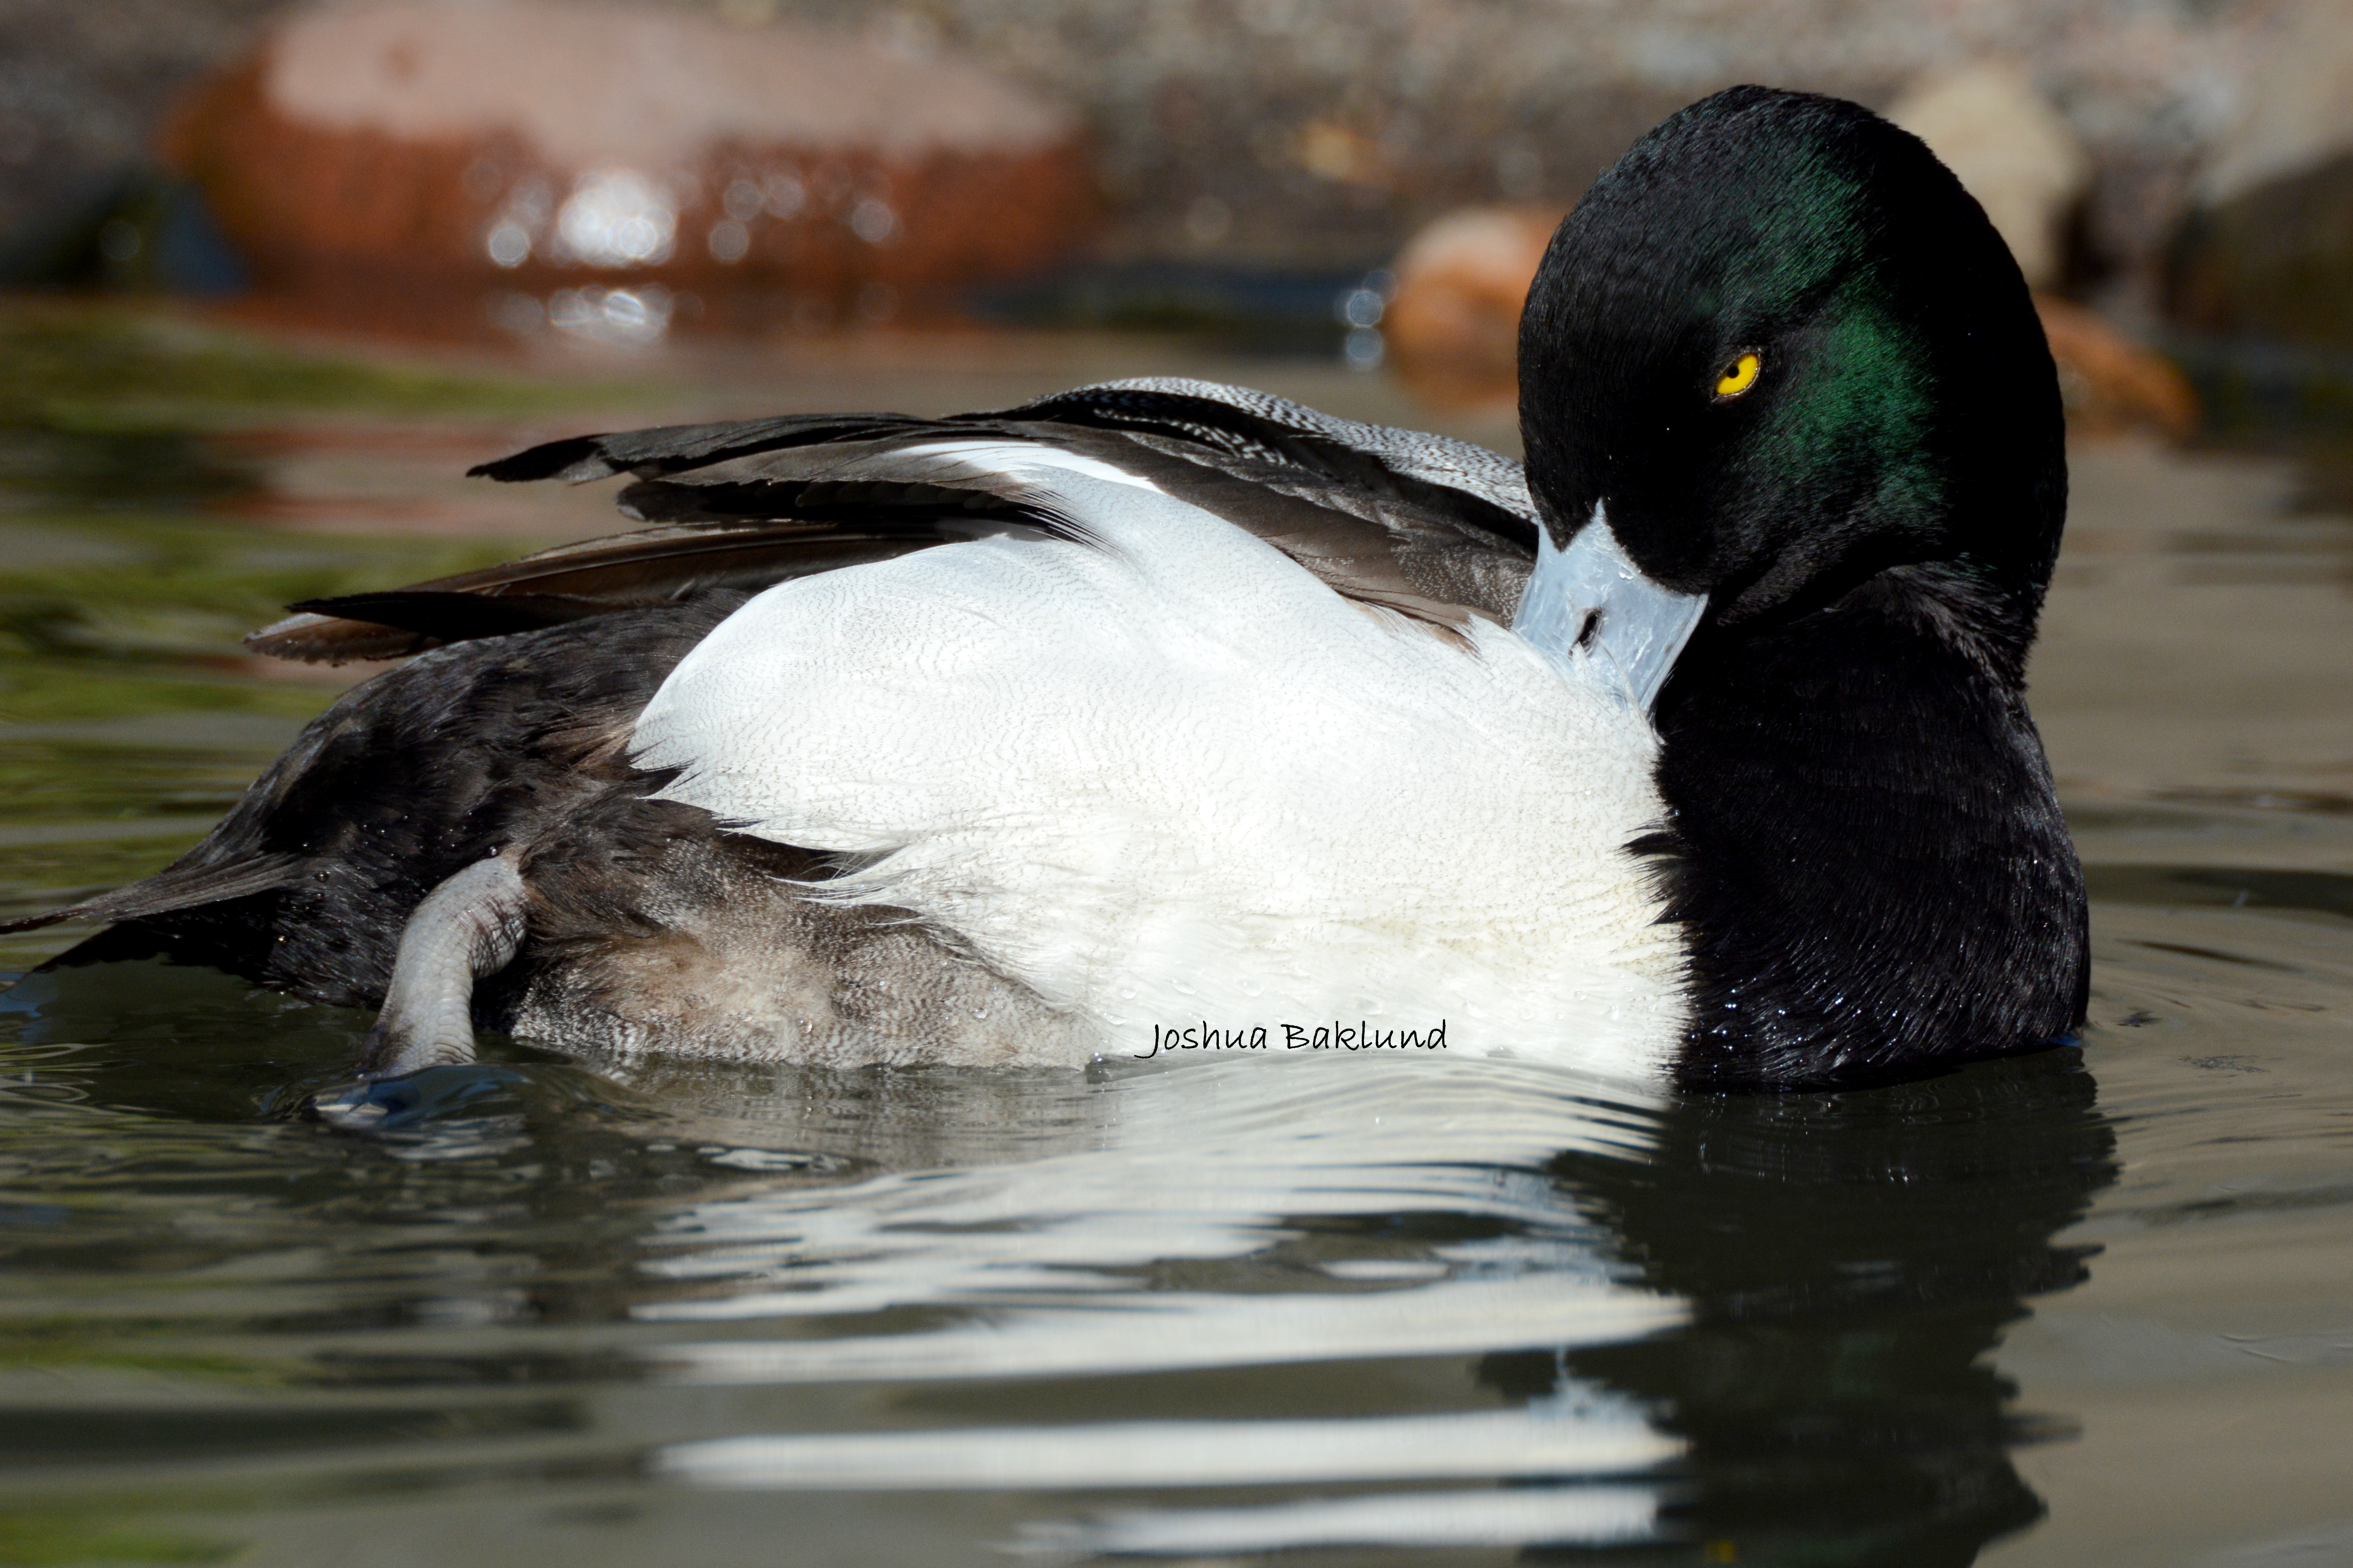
2095,1305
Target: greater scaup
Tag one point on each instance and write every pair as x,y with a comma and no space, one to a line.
1697,749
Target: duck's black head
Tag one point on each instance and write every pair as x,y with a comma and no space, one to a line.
1783,348
1783,355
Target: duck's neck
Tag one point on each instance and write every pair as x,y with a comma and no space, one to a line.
1864,844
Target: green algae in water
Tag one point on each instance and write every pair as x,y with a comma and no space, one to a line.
77,1539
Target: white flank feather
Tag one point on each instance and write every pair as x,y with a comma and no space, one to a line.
1169,780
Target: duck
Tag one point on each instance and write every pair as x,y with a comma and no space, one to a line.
1161,717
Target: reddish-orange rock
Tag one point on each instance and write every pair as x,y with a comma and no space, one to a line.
2111,383
1453,326
403,148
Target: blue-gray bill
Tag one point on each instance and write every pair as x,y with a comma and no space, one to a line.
1591,595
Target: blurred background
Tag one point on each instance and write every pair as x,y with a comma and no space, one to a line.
1362,179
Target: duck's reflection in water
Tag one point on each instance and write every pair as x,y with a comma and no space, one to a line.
1850,1262
1750,1326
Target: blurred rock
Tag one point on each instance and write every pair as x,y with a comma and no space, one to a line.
2268,252
2112,384
1453,325
596,163
2011,151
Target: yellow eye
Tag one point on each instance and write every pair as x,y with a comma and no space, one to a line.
1738,376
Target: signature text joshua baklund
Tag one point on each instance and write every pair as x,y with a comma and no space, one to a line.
1335,1036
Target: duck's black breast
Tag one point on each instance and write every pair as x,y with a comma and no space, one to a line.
1865,849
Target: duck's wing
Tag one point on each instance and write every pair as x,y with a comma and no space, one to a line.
1437,529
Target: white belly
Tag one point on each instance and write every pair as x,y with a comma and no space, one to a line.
1173,782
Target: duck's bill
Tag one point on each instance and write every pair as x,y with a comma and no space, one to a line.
1591,597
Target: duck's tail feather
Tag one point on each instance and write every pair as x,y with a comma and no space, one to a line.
168,891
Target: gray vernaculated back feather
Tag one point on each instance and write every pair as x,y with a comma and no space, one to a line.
1152,400
1439,461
